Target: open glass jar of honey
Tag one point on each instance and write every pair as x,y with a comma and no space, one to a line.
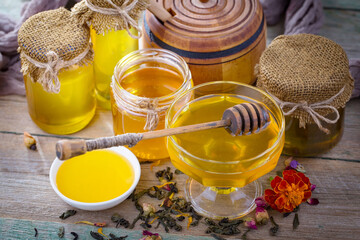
144,85
56,59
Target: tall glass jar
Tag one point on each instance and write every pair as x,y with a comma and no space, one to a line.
68,111
109,48
57,65
144,85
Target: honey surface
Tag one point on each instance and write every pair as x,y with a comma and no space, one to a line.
149,82
109,49
68,111
96,176
220,146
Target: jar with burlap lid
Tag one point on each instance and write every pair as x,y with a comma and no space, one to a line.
114,32
56,61
309,77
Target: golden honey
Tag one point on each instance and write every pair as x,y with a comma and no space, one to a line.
216,158
311,140
68,111
96,176
153,77
109,49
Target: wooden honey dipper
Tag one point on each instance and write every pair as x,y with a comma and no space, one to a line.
244,118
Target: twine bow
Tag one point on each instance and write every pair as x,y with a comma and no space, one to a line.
152,116
310,108
49,79
122,11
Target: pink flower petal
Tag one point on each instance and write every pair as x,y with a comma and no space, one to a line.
313,186
313,201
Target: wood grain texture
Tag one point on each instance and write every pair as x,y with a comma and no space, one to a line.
28,201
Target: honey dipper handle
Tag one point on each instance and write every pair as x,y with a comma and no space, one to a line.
66,149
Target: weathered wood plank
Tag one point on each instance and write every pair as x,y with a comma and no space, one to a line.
19,121
24,229
26,194
15,118
342,27
341,4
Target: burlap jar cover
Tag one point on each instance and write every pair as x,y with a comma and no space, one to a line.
105,15
50,41
308,76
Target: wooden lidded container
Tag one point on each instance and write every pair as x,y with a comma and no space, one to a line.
220,40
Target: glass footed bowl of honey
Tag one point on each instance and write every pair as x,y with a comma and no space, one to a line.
222,168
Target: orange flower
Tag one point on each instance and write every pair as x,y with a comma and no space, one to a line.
288,192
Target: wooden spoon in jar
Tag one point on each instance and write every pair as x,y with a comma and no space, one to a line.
244,118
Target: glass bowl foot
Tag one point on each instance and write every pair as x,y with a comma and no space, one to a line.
220,202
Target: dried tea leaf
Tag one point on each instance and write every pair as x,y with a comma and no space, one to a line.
296,222
67,214
61,232
113,237
275,228
96,235
76,236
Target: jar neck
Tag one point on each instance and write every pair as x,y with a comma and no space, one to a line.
151,58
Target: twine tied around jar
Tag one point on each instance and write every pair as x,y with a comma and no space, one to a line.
49,79
310,109
152,116
122,11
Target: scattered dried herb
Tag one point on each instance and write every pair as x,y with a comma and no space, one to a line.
96,235
177,172
244,235
76,236
224,226
113,237
217,236
120,221
296,222
286,214
275,228
36,232
313,201
29,141
61,232
99,224
67,214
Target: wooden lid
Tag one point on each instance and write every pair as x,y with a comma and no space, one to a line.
208,29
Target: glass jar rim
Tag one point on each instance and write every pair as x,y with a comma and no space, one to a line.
125,63
268,150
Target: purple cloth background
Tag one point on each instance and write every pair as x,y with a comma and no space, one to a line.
301,16
304,16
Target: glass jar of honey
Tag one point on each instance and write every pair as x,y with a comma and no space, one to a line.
114,33
109,48
309,78
144,85
58,71
223,168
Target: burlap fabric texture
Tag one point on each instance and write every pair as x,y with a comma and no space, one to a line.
50,41
105,15
308,74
